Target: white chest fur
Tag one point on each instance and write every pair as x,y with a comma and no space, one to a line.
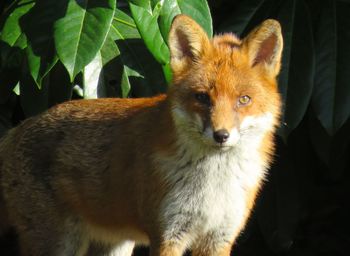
208,191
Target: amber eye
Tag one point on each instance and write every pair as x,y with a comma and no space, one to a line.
203,98
243,100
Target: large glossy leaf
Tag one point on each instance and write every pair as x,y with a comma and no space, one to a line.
40,66
109,50
332,91
199,11
125,82
93,78
146,20
80,34
169,10
11,31
94,75
123,26
298,63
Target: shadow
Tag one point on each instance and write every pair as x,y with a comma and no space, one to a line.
9,244
146,78
94,4
10,63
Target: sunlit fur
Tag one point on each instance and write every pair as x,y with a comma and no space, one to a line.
98,176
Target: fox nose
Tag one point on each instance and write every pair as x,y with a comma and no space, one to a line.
221,135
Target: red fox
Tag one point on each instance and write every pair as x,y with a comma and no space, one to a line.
176,172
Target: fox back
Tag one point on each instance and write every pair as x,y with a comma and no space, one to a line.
177,171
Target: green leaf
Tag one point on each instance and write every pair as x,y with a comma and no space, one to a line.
38,26
147,23
80,34
123,27
12,32
332,91
125,82
169,10
40,66
93,79
298,64
199,11
109,50
16,89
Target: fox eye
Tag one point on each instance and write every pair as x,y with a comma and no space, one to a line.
244,100
203,98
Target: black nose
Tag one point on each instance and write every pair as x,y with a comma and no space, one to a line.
221,136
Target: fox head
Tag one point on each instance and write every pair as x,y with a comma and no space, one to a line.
224,89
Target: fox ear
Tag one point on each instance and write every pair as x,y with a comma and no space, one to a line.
264,46
187,42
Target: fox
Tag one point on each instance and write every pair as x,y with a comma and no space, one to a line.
178,171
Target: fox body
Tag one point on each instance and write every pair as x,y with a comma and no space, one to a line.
177,171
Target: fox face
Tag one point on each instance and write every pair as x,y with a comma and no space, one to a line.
224,90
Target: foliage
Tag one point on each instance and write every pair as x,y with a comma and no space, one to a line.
105,49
